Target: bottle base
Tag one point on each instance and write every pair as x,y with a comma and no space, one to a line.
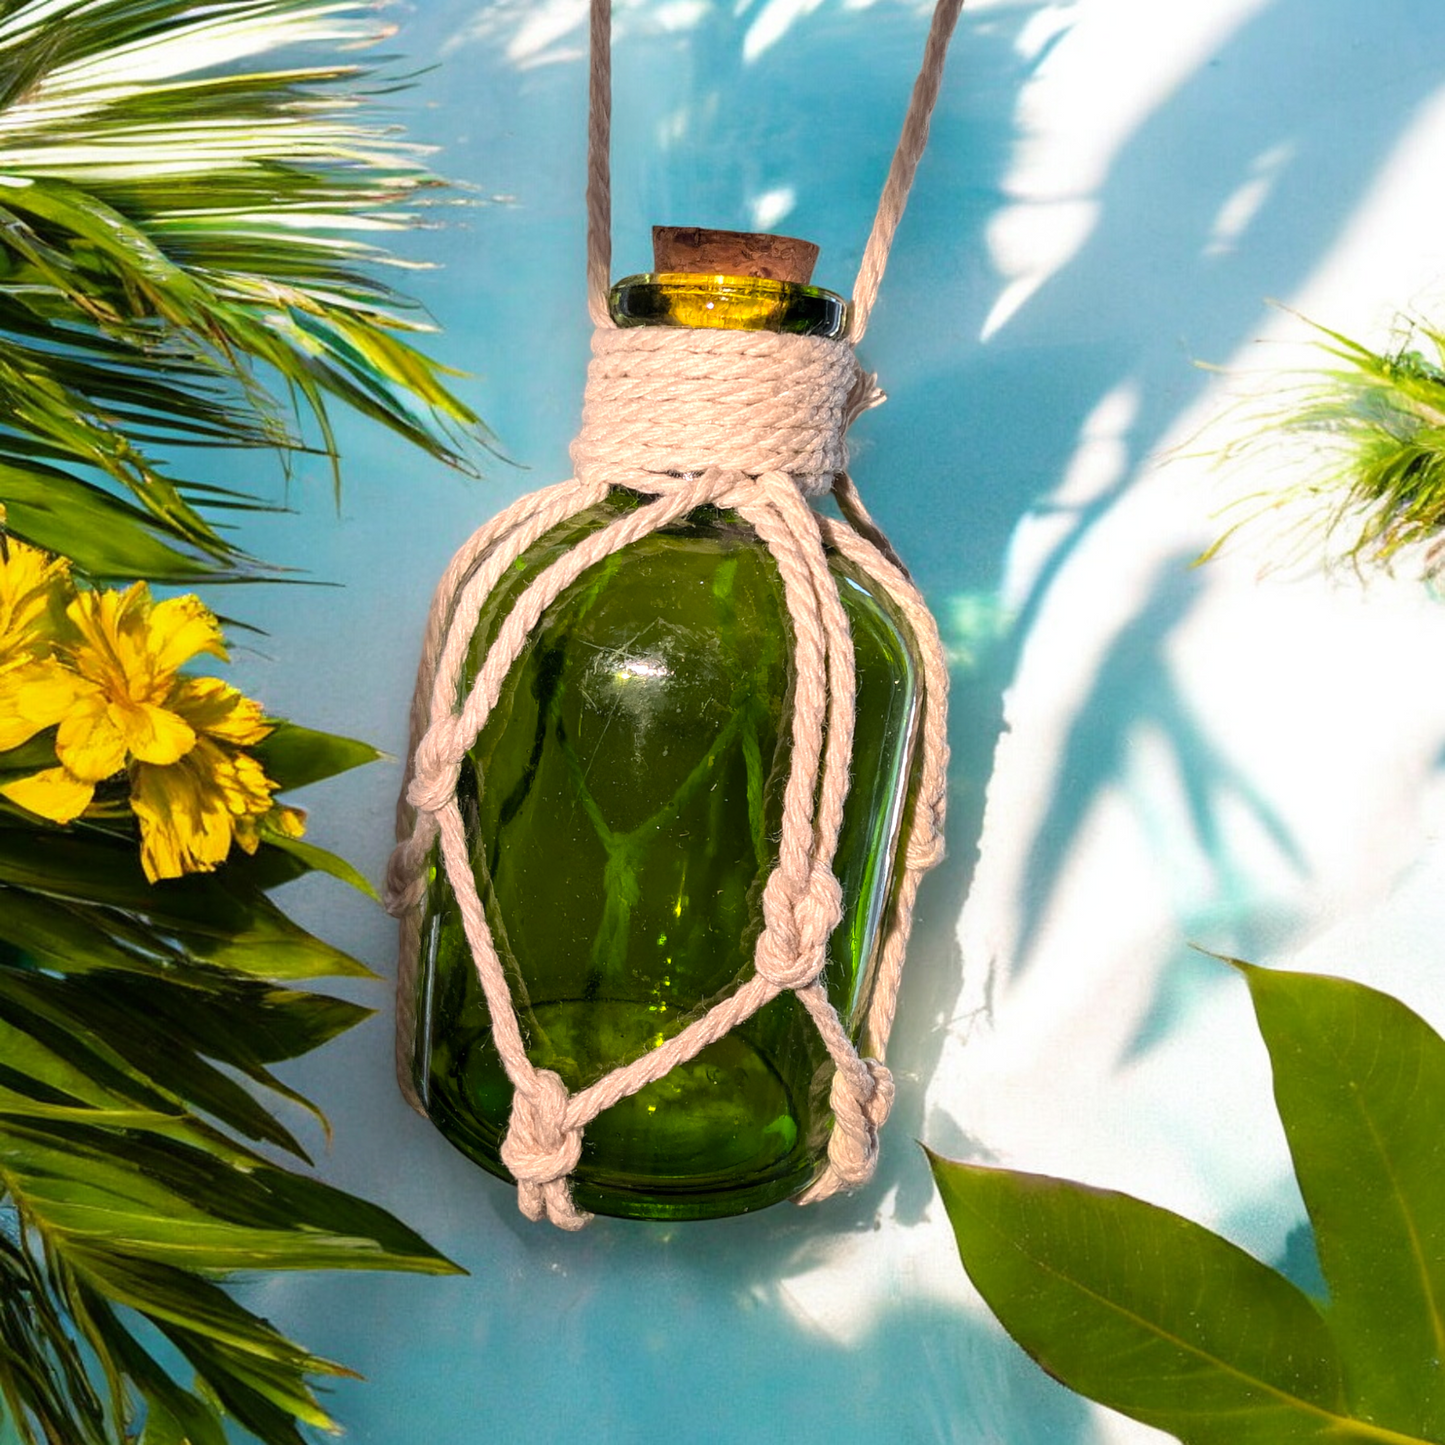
723,1134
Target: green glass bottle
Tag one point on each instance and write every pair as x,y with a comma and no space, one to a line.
634,769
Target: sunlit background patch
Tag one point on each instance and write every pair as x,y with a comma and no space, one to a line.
1241,756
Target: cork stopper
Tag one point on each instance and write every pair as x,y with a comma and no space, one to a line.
701,251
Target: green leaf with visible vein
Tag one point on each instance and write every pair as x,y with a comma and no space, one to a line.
1146,1312
220,917
322,860
1359,1081
1158,1318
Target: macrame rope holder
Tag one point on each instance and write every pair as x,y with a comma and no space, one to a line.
754,423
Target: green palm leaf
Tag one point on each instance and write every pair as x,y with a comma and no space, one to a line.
130,1177
193,214
181,238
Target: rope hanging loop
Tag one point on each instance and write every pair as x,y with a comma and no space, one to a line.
750,424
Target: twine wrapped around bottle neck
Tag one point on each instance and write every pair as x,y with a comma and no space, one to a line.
752,422
667,402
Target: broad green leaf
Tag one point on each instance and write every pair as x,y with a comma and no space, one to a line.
167,1403
75,937
270,951
1151,1314
322,860
154,1193
267,1401
1359,1081
54,1164
62,937
239,1021
66,1071
294,756
101,534
43,1377
162,1428
195,1305
15,1106
236,1350
367,351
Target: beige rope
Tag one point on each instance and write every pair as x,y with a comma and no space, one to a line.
599,164
751,423
485,556
911,144
674,399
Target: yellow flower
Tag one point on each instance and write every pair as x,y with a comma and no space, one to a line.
128,708
129,700
34,587
190,811
35,690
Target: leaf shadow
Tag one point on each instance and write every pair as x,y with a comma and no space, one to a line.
1132,691
840,1322
1151,290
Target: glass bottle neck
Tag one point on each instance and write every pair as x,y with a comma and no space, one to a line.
729,303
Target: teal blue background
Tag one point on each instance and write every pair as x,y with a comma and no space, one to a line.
701,1333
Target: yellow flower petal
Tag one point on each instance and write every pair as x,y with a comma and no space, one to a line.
189,811
34,587
89,741
249,789
290,822
153,734
185,825
180,628
54,794
99,618
35,695
219,711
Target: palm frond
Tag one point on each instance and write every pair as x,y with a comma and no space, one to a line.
193,220
192,226
133,1167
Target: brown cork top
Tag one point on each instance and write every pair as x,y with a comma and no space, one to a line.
702,251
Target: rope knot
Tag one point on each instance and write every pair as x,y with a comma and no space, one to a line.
925,849
820,909
925,852
540,1150
436,766
853,1147
796,928
405,884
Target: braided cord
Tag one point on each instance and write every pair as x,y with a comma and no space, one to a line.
912,141
752,423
